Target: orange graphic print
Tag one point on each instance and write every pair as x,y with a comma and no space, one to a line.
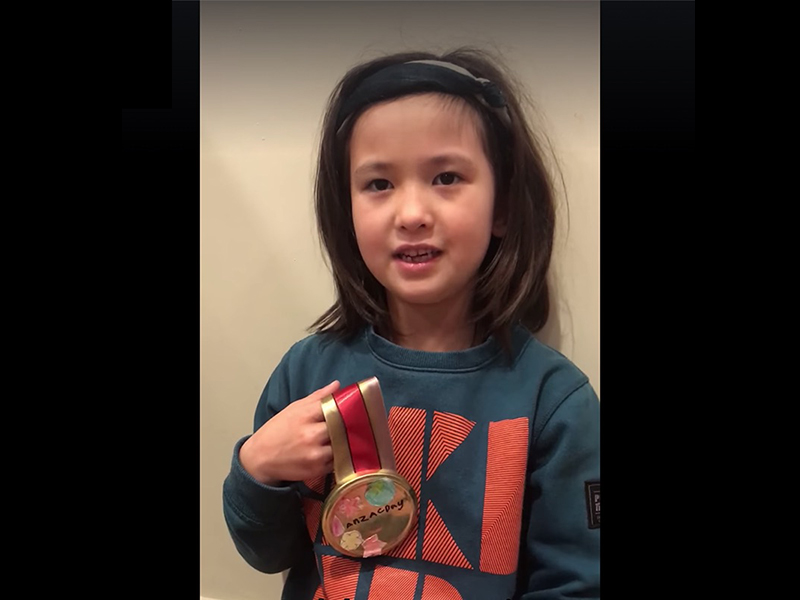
408,547
407,429
449,430
316,484
434,588
506,461
389,583
312,509
438,545
339,577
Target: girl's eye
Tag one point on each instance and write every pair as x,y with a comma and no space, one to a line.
378,185
447,178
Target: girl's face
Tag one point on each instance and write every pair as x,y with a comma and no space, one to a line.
422,192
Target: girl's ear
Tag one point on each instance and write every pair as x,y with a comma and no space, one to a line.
499,226
499,217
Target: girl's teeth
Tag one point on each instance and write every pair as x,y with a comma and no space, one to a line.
417,257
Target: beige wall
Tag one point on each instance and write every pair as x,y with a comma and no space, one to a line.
266,71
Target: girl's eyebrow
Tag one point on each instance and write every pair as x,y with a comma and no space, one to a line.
371,166
435,161
449,158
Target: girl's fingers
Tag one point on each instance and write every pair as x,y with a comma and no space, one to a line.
315,399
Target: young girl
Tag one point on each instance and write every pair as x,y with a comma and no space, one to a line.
437,213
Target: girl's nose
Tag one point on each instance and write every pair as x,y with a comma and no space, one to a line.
413,210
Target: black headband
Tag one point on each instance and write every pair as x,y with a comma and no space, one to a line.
422,76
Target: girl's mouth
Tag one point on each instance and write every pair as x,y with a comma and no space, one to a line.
417,256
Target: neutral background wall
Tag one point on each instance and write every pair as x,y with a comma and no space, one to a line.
266,71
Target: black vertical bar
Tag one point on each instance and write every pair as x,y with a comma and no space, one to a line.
648,202
150,300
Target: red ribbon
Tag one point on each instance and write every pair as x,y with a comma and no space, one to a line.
363,450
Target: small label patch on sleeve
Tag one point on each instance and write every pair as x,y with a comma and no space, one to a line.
593,503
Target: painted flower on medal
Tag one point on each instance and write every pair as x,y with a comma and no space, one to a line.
349,507
380,492
372,546
351,540
336,527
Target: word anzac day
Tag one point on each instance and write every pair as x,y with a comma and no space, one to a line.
382,510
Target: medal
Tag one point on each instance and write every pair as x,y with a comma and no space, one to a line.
372,508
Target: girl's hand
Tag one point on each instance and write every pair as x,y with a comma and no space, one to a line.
293,445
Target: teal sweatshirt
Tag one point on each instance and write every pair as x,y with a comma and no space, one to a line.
503,453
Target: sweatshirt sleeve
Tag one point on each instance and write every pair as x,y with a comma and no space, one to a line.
265,522
562,545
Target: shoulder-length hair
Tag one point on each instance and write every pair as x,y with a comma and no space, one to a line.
511,286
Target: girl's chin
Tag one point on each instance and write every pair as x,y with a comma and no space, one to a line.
423,299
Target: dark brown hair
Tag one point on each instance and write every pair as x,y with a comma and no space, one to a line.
511,283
